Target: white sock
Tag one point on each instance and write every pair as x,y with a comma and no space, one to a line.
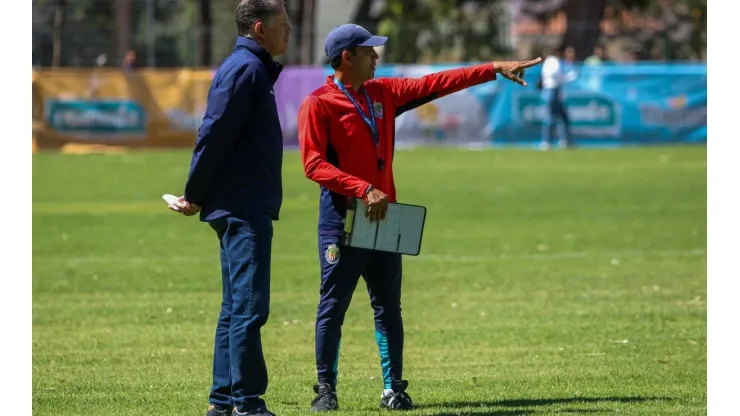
386,392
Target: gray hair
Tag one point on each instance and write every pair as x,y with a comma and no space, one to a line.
249,12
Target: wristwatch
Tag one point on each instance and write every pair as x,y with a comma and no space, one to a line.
369,189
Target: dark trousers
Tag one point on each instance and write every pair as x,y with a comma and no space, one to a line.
341,268
239,371
554,111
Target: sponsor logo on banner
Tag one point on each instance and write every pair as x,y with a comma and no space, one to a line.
97,118
590,114
677,113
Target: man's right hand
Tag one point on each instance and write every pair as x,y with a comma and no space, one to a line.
377,205
184,207
514,70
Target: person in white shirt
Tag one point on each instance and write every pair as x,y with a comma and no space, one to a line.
554,76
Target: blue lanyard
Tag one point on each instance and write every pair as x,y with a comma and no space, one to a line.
370,121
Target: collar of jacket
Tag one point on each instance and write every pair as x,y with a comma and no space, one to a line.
273,67
329,81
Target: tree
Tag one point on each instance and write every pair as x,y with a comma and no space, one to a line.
444,30
364,16
123,28
402,20
584,25
59,11
678,26
583,20
307,17
205,27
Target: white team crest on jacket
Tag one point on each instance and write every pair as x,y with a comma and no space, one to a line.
378,109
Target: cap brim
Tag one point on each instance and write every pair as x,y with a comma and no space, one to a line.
374,41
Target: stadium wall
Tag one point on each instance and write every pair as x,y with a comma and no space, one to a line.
610,104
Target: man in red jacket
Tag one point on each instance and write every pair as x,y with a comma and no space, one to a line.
347,137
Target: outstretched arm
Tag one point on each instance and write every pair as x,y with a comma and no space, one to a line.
410,93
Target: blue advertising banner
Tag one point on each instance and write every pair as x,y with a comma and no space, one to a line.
608,104
89,119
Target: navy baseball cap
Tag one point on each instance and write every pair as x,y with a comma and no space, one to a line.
346,36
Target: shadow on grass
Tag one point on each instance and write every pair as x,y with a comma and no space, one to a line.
570,400
484,412
489,412
483,407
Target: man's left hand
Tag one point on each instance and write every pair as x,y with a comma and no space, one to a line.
514,70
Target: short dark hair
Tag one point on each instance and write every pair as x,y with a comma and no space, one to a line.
249,12
336,62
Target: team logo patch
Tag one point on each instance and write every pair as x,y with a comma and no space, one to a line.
332,254
378,108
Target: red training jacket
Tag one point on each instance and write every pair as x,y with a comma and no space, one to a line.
337,146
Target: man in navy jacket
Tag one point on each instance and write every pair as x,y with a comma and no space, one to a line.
235,184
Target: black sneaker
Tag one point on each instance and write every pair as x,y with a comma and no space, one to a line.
326,399
398,399
260,410
214,410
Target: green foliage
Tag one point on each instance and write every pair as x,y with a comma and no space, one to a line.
421,30
444,30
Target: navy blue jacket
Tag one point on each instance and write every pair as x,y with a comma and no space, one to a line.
237,160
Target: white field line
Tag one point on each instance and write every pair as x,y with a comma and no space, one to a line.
424,258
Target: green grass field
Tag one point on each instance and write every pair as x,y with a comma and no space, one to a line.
562,282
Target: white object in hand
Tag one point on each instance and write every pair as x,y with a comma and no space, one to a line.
172,201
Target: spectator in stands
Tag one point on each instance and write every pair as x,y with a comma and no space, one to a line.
597,58
569,55
592,74
129,60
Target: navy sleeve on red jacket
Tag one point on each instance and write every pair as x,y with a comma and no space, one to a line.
228,101
410,93
313,138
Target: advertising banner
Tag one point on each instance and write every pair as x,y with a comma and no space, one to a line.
608,104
